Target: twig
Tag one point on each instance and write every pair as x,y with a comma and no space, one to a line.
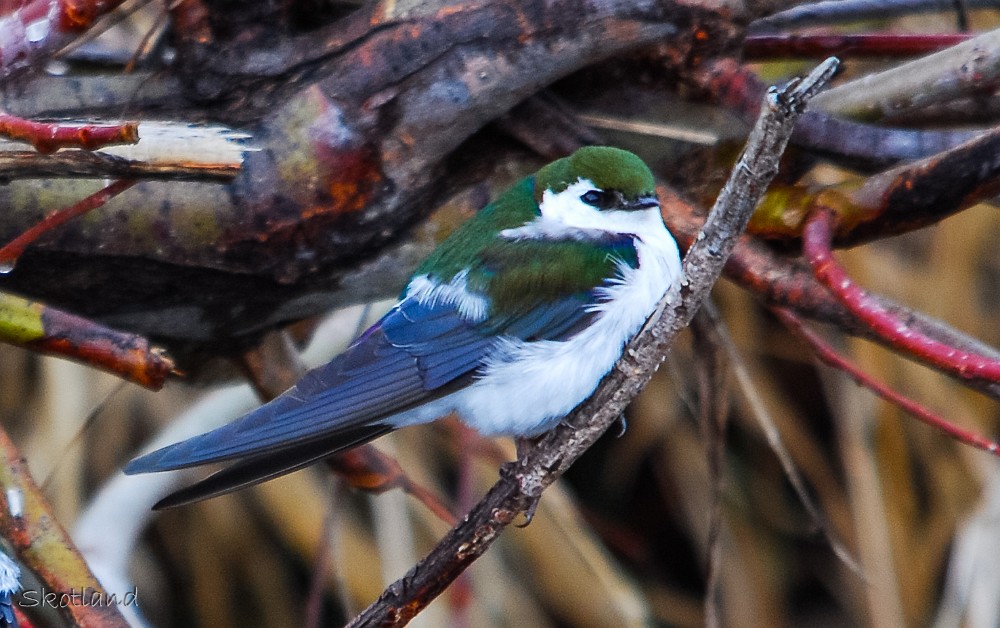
368,469
44,329
829,356
13,249
777,444
816,242
522,482
780,281
713,410
830,11
80,164
48,137
101,26
882,45
39,28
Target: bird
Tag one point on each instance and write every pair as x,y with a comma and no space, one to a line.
509,323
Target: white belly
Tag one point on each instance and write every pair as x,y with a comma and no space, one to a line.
527,387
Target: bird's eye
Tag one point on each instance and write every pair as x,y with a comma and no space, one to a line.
596,198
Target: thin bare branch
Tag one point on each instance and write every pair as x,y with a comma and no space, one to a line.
713,411
829,356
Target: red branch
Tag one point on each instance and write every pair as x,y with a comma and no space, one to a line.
13,250
829,355
763,47
129,356
33,32
49,137
816,244
368,469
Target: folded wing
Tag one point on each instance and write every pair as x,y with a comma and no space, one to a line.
420,351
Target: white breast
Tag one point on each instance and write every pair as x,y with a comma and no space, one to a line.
527,387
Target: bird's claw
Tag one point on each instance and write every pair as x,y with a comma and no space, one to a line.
529,512
622,424
509,470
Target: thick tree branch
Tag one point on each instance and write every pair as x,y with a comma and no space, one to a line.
966,69
522,482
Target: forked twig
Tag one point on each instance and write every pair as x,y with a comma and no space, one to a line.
816,243
829,356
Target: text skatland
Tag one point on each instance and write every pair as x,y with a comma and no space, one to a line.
30,598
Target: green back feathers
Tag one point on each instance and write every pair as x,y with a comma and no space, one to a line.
519,275
460,251
606,167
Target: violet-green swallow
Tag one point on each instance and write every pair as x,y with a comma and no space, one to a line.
510,323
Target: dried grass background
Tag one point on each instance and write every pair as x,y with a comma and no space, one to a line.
622,540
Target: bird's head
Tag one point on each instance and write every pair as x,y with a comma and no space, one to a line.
598,179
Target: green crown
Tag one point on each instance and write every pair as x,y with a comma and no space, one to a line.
606,167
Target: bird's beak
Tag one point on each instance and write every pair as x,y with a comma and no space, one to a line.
644,202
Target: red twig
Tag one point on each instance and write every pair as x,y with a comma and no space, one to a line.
48,137
757,47
10,252
33,32
829,355
816,243
44,329
368,469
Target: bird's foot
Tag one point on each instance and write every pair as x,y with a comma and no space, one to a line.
622,424
529,512
510,470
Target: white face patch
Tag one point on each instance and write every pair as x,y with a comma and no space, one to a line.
565,215
567,207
